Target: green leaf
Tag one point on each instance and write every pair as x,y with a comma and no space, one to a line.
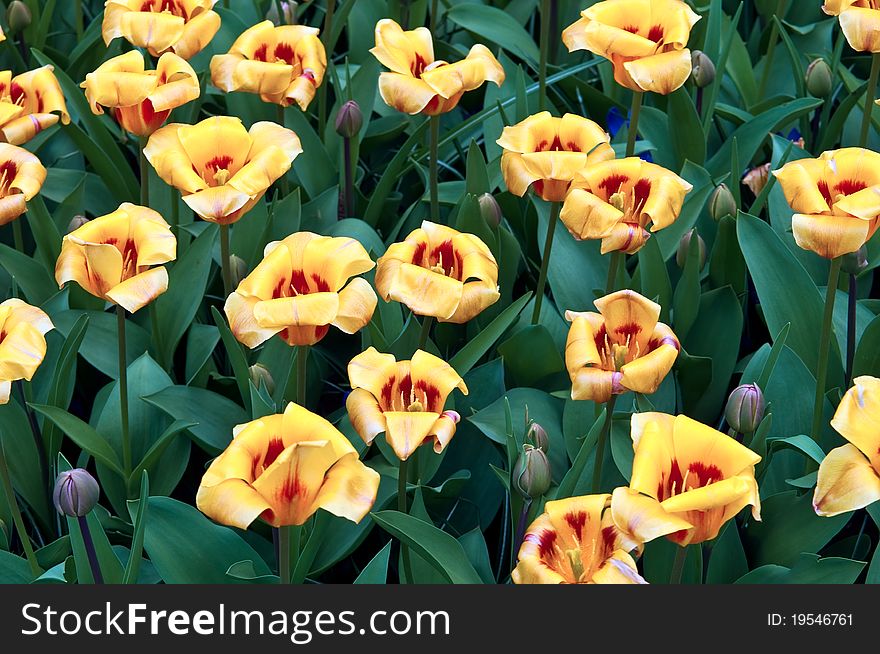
867,359
801,443
573,478
187,548
212,415
686,130
436,547
787,293
33,279
493,24
477,175
654,277
376,571
686,301
468,356
83,434
237,358
132,568
14,569
64,379
111,568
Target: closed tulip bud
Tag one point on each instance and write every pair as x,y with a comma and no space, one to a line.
490,210
855,263
702,69
349,120
684,246
745,408
260,373
238,269
18,16
537,437
286,15
531,473
722,203
76,493
818,78
76,222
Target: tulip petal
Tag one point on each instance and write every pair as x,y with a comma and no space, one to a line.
407,430
580,345
357,302
22,350
618,569
371,370
466,75
5,386
847,481
426,293
11,207
517,175
365,414
401,51
314,309
641,519
156,32
217,204
214,144
197,33
586,216
349,489
595,384
694,442
715,495
652,462
861,27
21,311
166,154
231,502
436,373
627,315
647,372
475,298
181,86
335,260
138,291
409,95
829,236
857,418
800,184
661,73
239,311
24,128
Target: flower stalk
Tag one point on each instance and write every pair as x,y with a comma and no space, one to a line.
545,50
851,338
302,373
6,480
434,168
600,445
224,260
869,99
123,393
402,507
545,262
91,553
678,565
825,347
322,90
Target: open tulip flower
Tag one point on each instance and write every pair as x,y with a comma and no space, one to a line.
416,82
118,257
402,399
645,40
578,540
283,468
282,64
221,168
693,472
849,476
183,27
30,103
302,287
859,20
622,348
23,331
440,272
618,199
21,177
548,153
834,200
141,100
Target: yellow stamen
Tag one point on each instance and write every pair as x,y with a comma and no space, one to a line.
618,200
221,176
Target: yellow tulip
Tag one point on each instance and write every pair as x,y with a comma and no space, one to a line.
283,468
622,348
141,100
617,199
849,476
183,27
440,272
417,83
645,40
21,177
834,199
859,20
693,472
23,331
117,257
588,540
403,399
221,168
549,153
302,287
282,64
30,103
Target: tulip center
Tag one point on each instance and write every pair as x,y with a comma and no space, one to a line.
8,171
626,195
842,189
172,7
696,475
576,563
300,284
217,171
416,407
409,396
615,355
443,259
618,201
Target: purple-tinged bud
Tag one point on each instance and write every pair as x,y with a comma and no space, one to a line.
684,246
702,69
537,437
531,473
490,210
745,408
76,493
349,120
722,203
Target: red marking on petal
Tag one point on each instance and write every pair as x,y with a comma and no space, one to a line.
273,451
285,52
385,395
702,474
546,543
577,521
612,184
655,34
641,192
850,186
419,254
825,191
261,53
431,393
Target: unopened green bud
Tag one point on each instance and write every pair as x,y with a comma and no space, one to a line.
531,473
684,246
537,437
702,69
76,493
722,203
745,408
349,120
855,263
282,13
490,210
260,374
18,16
818,78
238,269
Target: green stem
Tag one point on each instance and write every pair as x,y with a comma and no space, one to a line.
145,175
851,329
545,49
678,565
613,267
25,395
18,239
91,553
771,49
322,90
600,445
302,372
401,506
824,348
225,269
433,18
869,100
6,479
425,331
284,547
349,178
634,113
545,262
78,19
123,392
434,169
283,185
175,209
